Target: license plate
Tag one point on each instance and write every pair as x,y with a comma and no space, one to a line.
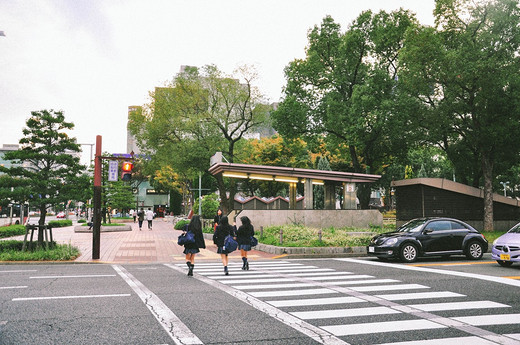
505,257
371,249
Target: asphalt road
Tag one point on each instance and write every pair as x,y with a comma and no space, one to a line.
314,301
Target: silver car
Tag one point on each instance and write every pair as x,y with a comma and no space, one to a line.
506,248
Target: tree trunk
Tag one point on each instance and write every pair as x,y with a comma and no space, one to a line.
224,199
487,171
41,223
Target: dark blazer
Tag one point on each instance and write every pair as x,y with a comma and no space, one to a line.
244,234
199,239
221,232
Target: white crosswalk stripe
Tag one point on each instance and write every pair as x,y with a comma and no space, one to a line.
345,297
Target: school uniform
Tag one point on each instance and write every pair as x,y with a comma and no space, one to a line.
193,248
244,234
221,232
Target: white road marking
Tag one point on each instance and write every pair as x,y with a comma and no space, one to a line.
389,287
446,341
336,277
12,287
272,286
18,271
309,330
381,327
359,282
419,295
500,280
292,293
260,280
68,297
77,276
337,313
320,274
314,301
487,320
177,330
458,306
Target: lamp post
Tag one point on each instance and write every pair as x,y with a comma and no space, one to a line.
504,184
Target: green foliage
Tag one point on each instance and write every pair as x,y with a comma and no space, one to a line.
210,205
60,223
12,251
180,224
81,221
12,230
344,91
300,236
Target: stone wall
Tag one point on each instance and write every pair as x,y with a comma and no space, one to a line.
314,218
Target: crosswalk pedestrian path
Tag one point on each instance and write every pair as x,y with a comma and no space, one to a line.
356,307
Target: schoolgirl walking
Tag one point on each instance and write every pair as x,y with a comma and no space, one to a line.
244,234
190,249
223,230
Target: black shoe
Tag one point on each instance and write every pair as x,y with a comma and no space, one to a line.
190,270
226,270
247,266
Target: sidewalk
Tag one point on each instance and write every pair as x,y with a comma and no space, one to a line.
156,246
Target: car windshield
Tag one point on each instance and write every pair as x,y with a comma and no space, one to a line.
412,226
515,229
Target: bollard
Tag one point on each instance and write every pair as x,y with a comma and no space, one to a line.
281,236
319,235
261,232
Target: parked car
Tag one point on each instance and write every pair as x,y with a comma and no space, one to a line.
423,237
60,215
506,248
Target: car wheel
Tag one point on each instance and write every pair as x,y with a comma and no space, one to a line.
408,252
505,263
474,251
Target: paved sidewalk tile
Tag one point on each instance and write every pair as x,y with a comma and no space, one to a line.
156,246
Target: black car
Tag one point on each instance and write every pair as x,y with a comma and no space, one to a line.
429,237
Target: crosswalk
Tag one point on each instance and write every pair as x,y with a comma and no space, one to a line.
356,308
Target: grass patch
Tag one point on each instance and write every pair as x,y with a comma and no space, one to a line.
12,251
492,235
12,230
60,223
300,236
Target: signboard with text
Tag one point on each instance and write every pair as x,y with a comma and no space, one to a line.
112,170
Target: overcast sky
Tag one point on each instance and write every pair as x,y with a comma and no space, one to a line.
94,58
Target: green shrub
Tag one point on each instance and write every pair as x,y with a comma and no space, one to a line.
180,224
12,230
60,223
12,251
82,221
209,206
300,236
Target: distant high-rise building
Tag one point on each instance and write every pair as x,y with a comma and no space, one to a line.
131,142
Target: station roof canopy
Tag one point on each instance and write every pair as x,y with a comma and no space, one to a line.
285,174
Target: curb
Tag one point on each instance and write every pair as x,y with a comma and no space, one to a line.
307,252
84,229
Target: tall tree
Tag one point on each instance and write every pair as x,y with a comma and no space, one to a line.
45,165
464,75
199,113
344,90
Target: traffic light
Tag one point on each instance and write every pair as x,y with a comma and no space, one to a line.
126,175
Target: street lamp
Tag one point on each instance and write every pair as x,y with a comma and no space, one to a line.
504,184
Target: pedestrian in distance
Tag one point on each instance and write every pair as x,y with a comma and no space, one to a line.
244,234
149,218
140,218
221,232
134,214
217,218
190,249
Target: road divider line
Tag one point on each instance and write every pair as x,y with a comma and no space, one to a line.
68,297
12,287
455,264
18,271
175,328
315,333
77,276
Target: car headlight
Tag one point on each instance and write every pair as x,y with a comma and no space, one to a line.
391,241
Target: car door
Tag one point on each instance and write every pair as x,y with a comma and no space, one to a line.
458,232
436,236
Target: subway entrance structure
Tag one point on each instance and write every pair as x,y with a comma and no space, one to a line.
349,215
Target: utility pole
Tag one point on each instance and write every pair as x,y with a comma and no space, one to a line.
96,228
